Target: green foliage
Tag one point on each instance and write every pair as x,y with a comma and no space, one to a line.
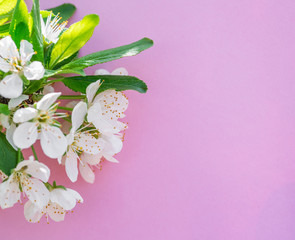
6,10
8,155
36,35
110,54
116,82
65,10
4,109
19,28
73,39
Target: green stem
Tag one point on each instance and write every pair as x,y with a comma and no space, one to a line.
65,108
18,156
72,97
34,152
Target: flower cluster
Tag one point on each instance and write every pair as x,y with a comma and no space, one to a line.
35,53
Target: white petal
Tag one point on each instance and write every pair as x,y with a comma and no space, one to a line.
32,212
8,48
110,158
120,71
56,212
9,135
47,100
75,194
89,144
86,172
91,90
9,193
102,72
26,51
78,115
63,198
34,71
71,165
25,135
25,114
35,169
53,141
11,86
14,102
36,192
91,159
113,144
4,66
94,113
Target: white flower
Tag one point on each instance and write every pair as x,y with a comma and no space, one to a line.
60,201
6,121
40,122
52,29
79,141
18,64
106,108
111,145
29,175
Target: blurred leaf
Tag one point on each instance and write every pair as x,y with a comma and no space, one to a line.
19,29
110,54
116,82
8,155
36,35
65,10
4,109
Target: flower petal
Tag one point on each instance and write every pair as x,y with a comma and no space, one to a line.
32,212
35,169
89,144
120,71
34,71
56,212
25,135
26,51
4,66
91,90
11,86
53,141
47,100
63,198
36,192
24,114
91,159
14,102
113,144
71,165
78,115
8,48
9,193
76,195
9,135
94,112
86,172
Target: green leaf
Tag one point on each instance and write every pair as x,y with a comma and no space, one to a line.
19,28
116,82
4,30
6,10
66,61
4,109
8,155
110,54
34,86
65,10
73,39
37,37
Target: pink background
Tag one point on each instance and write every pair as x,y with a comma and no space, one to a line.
210,149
